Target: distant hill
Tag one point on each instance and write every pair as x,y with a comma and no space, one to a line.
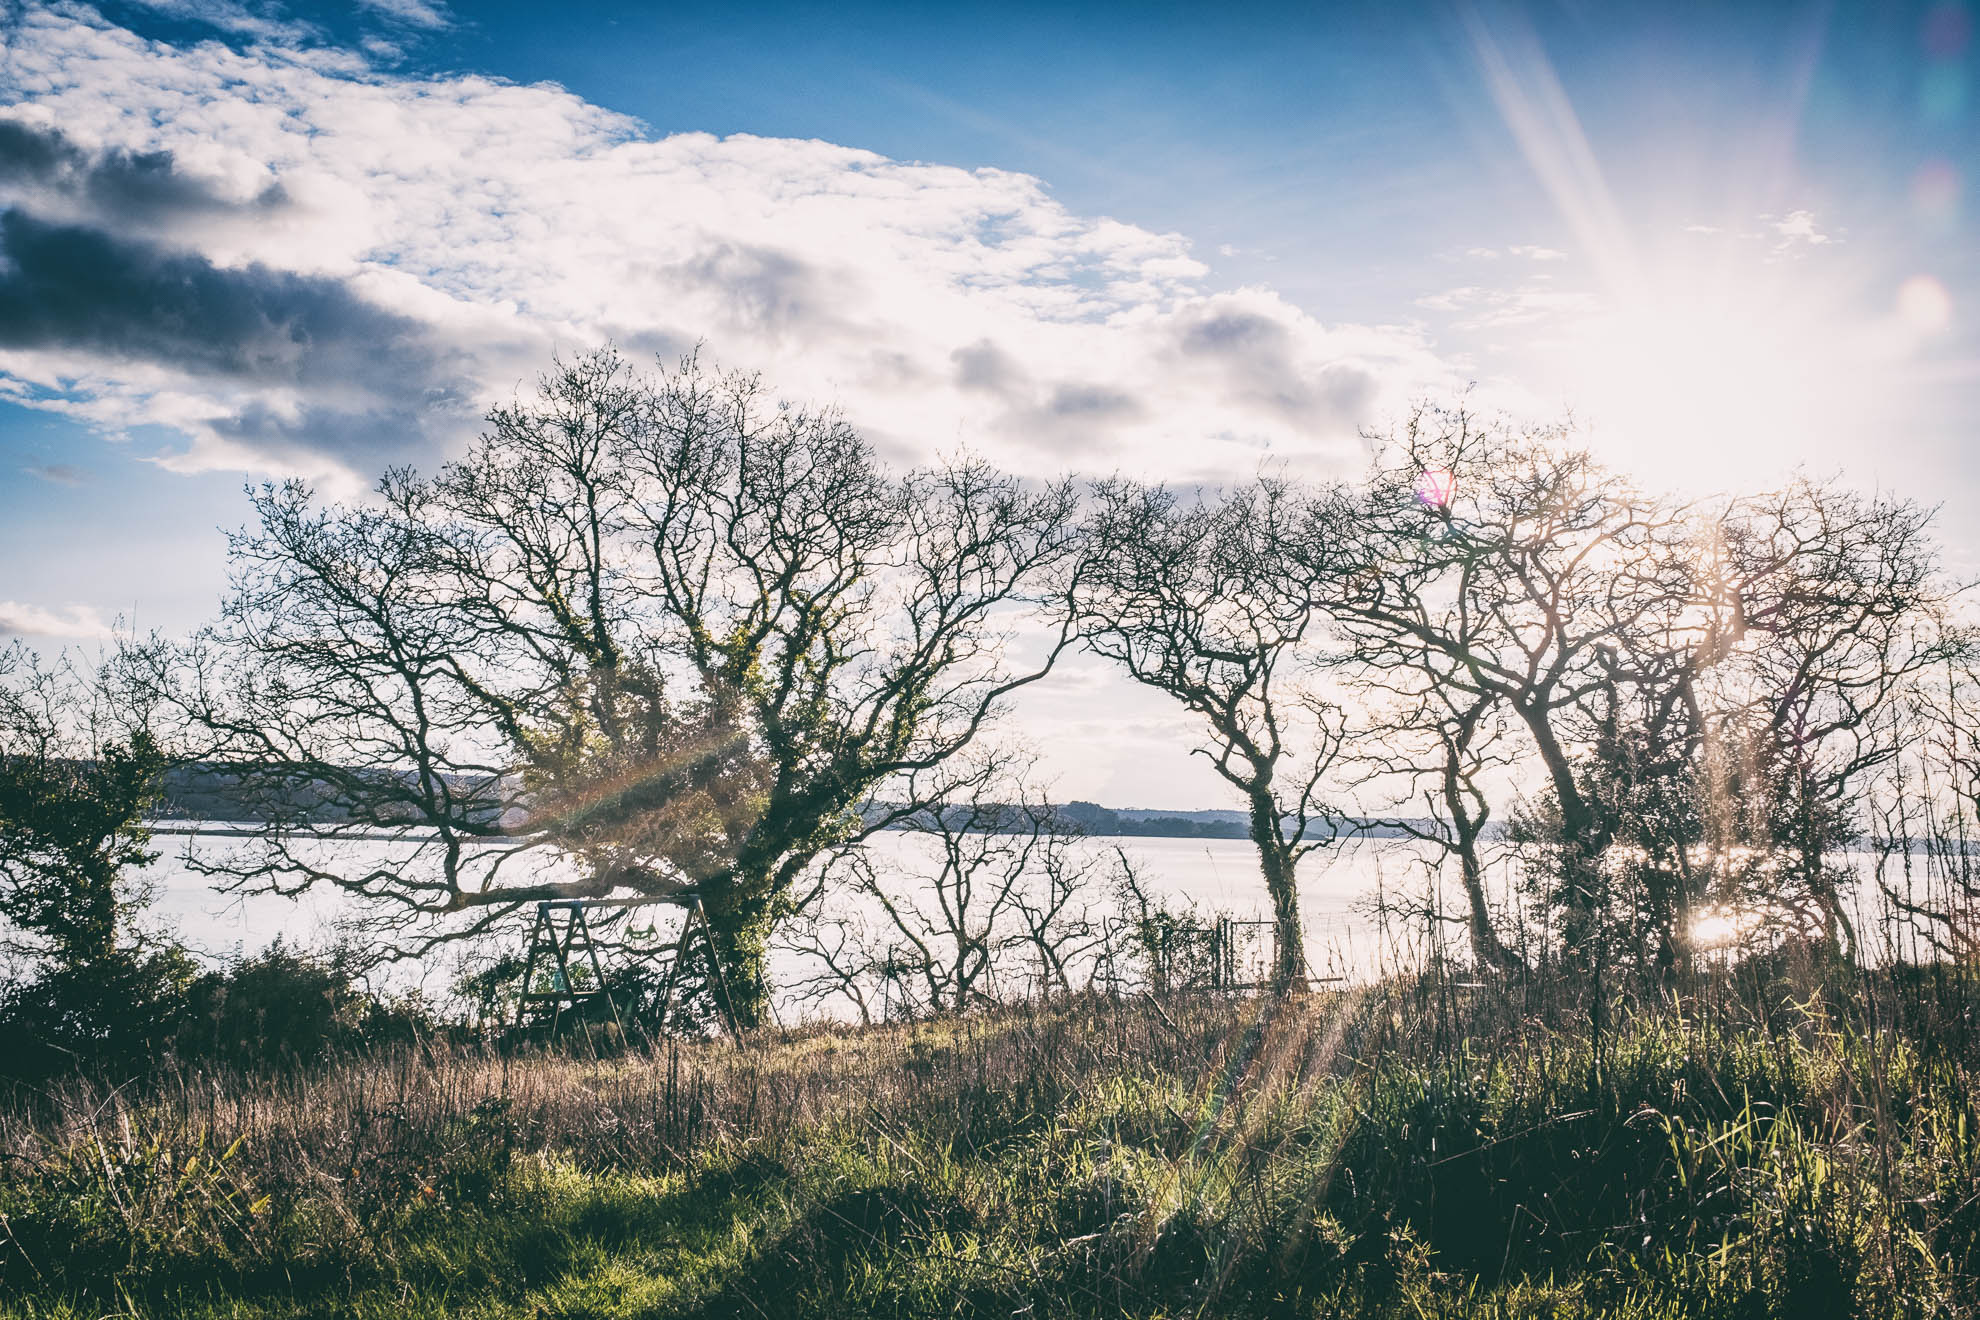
221,793
1213,824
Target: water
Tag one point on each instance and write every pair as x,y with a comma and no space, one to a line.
1339,890
1215,876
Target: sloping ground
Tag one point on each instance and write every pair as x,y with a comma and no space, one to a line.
1412,1150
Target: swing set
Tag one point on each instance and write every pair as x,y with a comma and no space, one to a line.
561,940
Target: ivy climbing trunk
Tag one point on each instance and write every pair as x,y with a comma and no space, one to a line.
1278,863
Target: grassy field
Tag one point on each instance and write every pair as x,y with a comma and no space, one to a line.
1420,1148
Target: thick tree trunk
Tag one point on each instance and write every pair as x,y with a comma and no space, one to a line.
740,924
1275,860
741,903
1486,945
1578,823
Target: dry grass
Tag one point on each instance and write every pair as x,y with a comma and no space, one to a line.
1413,1148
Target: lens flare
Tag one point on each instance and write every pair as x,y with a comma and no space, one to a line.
1924,305
1435,486
1935,192
1721,928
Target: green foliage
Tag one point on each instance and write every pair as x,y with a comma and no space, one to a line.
75,783
70,833
125,1015
1304,1157
112,1015
78,770
284,1006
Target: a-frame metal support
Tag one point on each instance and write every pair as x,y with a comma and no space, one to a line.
556,946
695,934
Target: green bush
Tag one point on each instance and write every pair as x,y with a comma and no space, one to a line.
114,1016
284,1006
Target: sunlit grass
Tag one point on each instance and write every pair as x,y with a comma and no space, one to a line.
1404,1150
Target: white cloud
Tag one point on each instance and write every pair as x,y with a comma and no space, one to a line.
1473,308
76,623
1797,228
260,21
1535,253
413,13
1450,300
399,251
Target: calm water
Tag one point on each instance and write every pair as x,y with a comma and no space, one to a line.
1214,875
1339,888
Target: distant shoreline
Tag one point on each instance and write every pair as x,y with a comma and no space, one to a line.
1125,824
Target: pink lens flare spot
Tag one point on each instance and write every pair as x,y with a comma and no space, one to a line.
1946,30
1435,486
1924,305
1935,191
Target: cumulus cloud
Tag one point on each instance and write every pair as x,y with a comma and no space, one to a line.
145,193
77,623
69,288
313,369
307,262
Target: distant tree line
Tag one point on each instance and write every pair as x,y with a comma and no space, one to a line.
221,794
660,633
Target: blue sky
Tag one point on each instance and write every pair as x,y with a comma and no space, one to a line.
246,240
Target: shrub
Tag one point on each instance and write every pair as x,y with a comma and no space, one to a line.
110,1017
285,1006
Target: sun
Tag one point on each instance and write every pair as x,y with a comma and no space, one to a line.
1712,342
1707,366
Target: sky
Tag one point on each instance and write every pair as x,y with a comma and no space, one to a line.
247,240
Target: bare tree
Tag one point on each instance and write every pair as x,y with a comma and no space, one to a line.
982,892
1507,570
650,634
1193,599
1441,745
839,957
1697,685
989,874
1839,611
1926,808
1060,930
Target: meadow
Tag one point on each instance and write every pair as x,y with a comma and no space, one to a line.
1781,1138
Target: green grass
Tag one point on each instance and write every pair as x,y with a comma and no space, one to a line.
1395,1152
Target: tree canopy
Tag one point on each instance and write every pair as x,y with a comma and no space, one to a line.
653,633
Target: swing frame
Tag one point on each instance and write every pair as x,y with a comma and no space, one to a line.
575,934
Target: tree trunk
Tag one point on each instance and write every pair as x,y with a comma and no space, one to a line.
1584,839
1486,945
1275,861
740,924
1578,822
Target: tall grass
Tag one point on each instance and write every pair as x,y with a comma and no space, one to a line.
1771,1142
